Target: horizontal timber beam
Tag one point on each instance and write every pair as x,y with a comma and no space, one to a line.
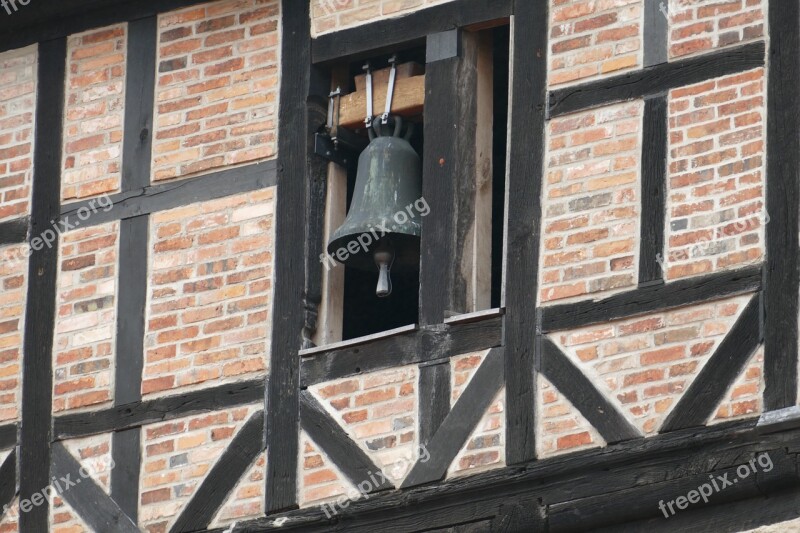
652,299
14,231
423,345
657,467
656,79
158,410
361,41
169,195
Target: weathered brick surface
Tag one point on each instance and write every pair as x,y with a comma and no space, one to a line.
86,322
94,453
593,38
217,86
645,364
13,281
177,456
9,522
333,15
94,111
715,196
380,412
744,399
209,313
319,480
17,108
485,447
698,26
246,500
591,206
561,427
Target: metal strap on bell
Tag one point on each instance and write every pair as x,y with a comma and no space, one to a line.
381,230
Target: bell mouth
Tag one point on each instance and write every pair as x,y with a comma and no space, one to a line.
406,249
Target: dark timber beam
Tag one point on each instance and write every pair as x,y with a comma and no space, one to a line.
449,178
427,345
171,194
370,39
8,481
582,393
659,467
282,420
652,299
653,189
135,415
8,436
460,421
525,175
343,452
782,273
656,31
223,477
133,259
40,311
14,231
656,79
86,497
708,389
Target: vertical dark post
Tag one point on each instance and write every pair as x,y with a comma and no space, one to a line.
37,371
448,182
133,258
282,420
654,175
782,273
523,218
449,187
656,28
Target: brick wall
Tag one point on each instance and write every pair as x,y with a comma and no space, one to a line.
94,111
700,26
591,207
715,190
319,480
645,364
589,39
177,456
13,280
217,86
333,15
562,428
380,412
209,310
83,367
17,107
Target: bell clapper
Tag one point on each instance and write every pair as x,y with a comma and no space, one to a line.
384,257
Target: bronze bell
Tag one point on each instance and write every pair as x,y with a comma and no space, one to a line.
382,230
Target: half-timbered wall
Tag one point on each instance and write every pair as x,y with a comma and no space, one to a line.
159,164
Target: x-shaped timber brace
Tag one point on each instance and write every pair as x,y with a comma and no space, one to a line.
515,337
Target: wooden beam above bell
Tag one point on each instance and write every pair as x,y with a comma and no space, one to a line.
408,101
